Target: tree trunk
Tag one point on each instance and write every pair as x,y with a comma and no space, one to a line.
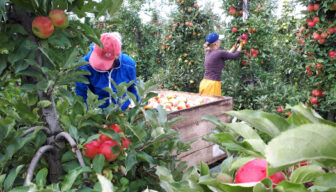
245,10
48,114
331,115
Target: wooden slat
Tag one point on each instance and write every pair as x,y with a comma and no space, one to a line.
192,127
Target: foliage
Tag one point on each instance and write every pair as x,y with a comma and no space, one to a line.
301,137
182,47
316,51
38,105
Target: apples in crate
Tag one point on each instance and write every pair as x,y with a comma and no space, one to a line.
175,102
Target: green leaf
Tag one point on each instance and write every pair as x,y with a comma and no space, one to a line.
157,132
326,182
144,157
73,132
90,33
240,161
268,123
260,187
17,28
44,103
2,178
214,120
249,135
306,142
25,189
306,174
111,133
226,140
164,174
303,115
131,160
72,59
72,176
78,108
106,185
208,180
138,131
6,126
47,55
98,163
16,145
41,177
59,39
9,181
3,15
286,186
204,169
116,4
19,54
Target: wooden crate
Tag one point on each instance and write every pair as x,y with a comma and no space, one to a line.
192,127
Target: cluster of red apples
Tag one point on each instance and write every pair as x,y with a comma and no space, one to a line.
43,27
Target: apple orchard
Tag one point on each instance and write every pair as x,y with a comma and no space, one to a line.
278,131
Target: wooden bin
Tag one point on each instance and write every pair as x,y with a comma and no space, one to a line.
192,127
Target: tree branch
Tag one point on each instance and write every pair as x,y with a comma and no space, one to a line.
74,147
34,162
32,129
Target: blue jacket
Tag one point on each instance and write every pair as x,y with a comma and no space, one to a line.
124,71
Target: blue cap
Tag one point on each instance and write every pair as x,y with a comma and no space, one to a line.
212,37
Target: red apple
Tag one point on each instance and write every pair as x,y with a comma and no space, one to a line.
255,171
277,178
310,23
324,35
91,149
116,128
279,109
316,36
310,8
42,27
234,29
245,63
106,150
244,36
316,19
332,54
59,18
103,138
232,11
126,142
301,41
313,100
321,41
317,93
316,7
318,65
330,31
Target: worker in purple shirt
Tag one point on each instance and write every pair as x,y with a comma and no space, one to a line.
214,63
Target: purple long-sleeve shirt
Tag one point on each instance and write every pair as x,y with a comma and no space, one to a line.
215,62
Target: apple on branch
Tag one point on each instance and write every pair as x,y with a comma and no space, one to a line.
42,27
59,18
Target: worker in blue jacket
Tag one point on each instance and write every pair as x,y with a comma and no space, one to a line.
106,64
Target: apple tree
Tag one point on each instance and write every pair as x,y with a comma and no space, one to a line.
317,44
182,47
44,126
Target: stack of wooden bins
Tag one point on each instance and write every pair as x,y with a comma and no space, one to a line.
193,127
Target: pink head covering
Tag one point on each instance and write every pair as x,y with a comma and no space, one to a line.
102,59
